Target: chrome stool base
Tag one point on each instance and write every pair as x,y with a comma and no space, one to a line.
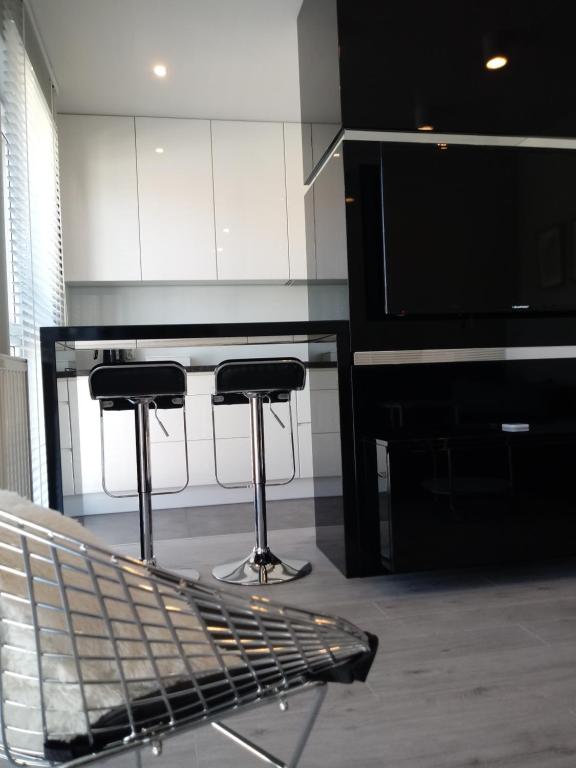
261,567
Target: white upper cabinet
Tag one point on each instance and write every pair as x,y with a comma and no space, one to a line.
329,210
250,201
99,198
301,245
176,199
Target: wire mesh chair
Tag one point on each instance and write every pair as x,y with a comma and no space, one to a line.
101,653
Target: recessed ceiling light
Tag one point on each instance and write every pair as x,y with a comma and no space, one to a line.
426,127
496,62
159,150
336,154
160,70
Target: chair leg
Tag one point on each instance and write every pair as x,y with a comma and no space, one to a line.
266,756
261,566
142,423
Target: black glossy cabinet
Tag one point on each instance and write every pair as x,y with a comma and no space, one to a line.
443,483
376,65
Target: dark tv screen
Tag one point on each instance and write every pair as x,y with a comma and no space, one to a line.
476,229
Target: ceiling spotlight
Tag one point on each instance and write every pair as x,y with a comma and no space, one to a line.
159,150
160,70
496,62
424,119
496,50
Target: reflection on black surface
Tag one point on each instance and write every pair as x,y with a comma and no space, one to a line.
478,229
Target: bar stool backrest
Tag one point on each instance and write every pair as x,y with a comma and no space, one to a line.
265,375
117,384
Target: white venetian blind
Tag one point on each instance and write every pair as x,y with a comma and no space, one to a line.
32,219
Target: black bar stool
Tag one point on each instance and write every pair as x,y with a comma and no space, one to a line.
139,387
253,382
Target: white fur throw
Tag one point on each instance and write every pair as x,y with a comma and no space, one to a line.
67,617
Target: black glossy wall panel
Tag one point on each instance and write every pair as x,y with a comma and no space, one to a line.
407,63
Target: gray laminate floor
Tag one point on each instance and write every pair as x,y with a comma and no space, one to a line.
475,668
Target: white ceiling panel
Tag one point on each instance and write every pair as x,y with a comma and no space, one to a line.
227,59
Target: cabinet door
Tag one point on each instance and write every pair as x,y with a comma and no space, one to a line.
250,201
99,198
329,210
176,199
300,206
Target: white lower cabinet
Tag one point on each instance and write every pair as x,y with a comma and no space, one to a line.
319,425
201,460
305,460
327,455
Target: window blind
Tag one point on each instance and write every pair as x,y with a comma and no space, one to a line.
32,219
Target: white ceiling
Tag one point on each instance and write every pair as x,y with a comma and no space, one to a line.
228,59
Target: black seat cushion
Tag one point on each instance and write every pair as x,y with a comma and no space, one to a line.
269,374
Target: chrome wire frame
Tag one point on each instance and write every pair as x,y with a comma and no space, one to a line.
130,494
120,654
250,483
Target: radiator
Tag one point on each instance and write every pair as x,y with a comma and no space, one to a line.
15,458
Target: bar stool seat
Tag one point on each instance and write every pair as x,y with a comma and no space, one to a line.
253,382
140,386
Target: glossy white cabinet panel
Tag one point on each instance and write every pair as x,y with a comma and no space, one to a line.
234,462
200,383
67,472
62,386
303,404
300,206
120,451
85,424
323,378
101,240
250,201
325,411
64,423
232,421
199,415
278,444
327,459
175,195
329,211
305,462
168,463
173,422
201,458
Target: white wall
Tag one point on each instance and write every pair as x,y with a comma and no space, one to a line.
160,304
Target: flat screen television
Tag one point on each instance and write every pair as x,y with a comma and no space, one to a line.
478,229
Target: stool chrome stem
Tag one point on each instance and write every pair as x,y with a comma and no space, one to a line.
258,470
142,425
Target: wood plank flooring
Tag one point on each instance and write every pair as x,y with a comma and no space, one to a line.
475,668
